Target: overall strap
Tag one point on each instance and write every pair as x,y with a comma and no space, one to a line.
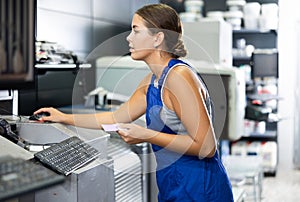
208,101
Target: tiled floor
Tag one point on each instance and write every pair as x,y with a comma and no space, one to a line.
284,187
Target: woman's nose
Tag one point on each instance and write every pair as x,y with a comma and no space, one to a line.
128,37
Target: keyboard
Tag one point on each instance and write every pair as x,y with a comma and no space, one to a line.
19,176
68,155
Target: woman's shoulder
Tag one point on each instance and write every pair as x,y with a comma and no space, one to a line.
179,73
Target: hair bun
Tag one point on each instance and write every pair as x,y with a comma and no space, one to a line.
179,49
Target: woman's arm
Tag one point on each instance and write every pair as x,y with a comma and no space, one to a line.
186,98
129,111
183,94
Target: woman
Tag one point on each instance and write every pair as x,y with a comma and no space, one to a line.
177,108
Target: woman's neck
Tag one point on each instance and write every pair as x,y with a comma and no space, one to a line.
157,65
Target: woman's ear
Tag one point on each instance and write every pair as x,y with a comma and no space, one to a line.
159,38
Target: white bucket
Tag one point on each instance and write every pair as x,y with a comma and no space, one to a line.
193,6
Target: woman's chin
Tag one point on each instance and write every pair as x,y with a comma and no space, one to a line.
134,56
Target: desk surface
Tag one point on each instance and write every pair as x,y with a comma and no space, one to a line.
9,148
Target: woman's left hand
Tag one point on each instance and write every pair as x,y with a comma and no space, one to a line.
132,133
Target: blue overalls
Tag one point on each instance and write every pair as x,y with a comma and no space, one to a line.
183,177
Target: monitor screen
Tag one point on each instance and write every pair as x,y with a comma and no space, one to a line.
265,64
17,44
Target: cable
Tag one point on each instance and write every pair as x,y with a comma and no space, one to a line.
5,131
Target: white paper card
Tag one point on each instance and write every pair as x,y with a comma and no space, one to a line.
110,127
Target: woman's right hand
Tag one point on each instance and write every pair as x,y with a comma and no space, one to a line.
55,115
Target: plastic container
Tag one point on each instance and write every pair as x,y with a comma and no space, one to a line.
193,6
251,15
254,148
235,5
190,17
234,18
215,15
239,148
269,16
252,9
270,9
269,155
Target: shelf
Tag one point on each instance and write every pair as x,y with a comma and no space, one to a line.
62,66
260,39
241,58
254,31
263,97
267,136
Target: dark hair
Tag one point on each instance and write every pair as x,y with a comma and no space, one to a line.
163,18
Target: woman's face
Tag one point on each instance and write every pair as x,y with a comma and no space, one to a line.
141,42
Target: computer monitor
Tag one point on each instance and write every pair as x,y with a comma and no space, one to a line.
17,44
264,63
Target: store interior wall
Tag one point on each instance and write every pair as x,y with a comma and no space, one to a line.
288,57
71,24
84,25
